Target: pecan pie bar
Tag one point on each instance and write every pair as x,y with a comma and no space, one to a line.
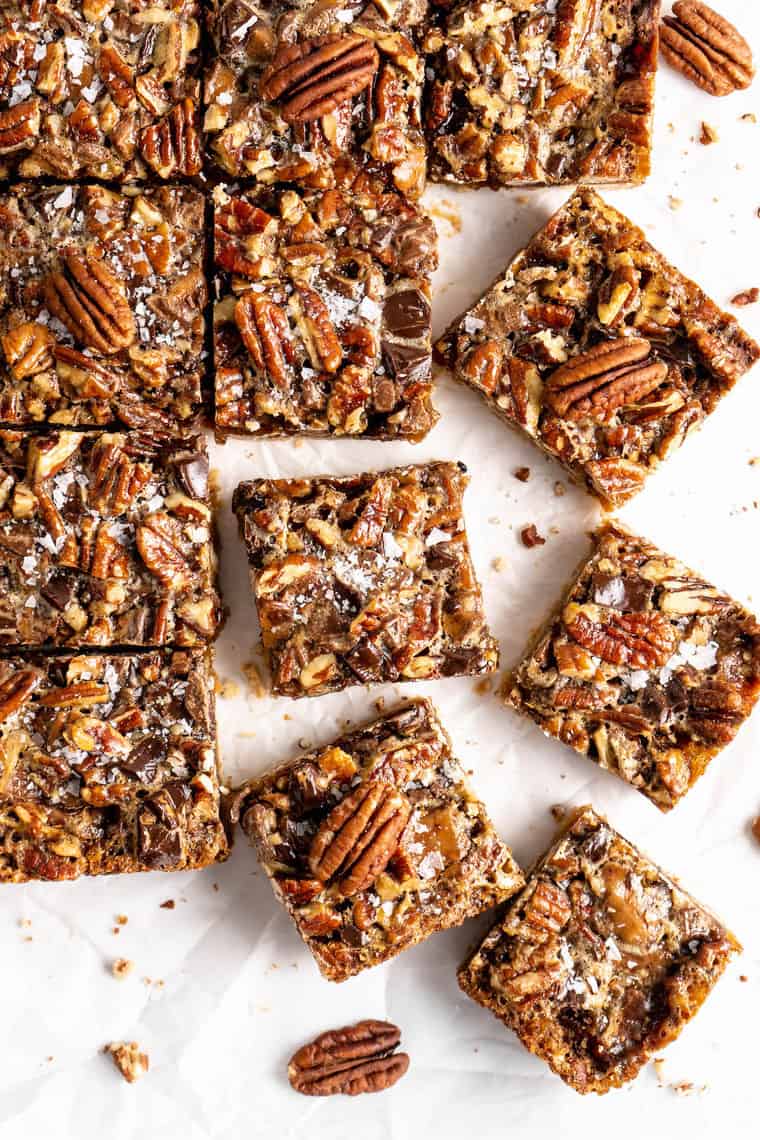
293,88
323,326
107,764
600,961
598,349
645,667
542,92
101,305
376,841
105,539
104,89
364,579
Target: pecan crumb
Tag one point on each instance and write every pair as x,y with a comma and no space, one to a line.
482,686
122,919
225,687
559,489
122,968
559,811
743,978
708,134
756,828
675,203
498,564
748,297
522,473
530,537
168,904
131,1062
253,677
750,117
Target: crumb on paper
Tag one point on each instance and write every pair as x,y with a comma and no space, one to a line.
747,297
482,686
446,211
253,677
380,704
559,489
225,687
122,968
168,904
215,487
675,203
498,564
522,473
756,828
743,978
129,1059
708,134
749,117
530,537
122,919
559,811
25,923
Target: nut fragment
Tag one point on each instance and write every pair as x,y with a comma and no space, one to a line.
357,1059
359,837
88,299
315,76
706,48
27,349
131,1062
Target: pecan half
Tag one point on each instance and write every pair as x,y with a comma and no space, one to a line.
265,332
16,690
173,145
19,125
87,298
157,542
313,77
612,375
706,48
359,837
639,640
356,1059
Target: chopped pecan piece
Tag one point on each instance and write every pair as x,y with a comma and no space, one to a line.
27,349
86,297
313,77
706,48
359,1058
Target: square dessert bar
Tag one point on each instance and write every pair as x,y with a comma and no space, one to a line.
323,321
104,89
644,667
107,764
105,539
365,578
542,92
600,961
598,349
290,89
101,305
376,841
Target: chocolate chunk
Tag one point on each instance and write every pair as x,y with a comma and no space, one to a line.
407,314
143,760
58,590
193,475
159,839
627,593
406,362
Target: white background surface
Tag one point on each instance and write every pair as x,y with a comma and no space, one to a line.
239,991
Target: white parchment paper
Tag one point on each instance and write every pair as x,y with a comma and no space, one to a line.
222,990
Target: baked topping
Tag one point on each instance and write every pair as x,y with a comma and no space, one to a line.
600,961
375,841
323,322
646,668
598,349
364,579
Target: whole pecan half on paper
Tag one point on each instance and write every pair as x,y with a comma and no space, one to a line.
356,1059
311,78
613,374
87,298
706,48
359,837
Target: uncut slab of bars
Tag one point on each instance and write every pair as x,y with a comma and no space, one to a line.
376,841
644,667
597,349
364,578
600,961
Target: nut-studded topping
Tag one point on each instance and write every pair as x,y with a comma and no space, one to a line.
313,77
359,837
357,1059
612,375
640,640
86,297
706,48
